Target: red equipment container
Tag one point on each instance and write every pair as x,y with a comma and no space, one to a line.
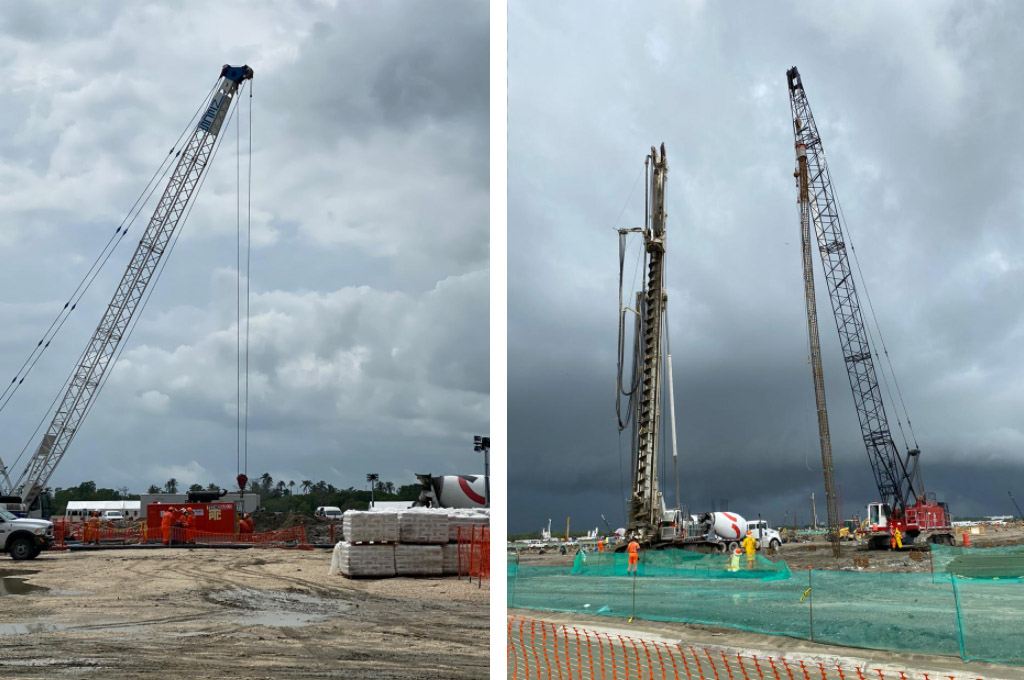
214,518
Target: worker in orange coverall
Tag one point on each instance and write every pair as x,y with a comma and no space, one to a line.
189,524
94,527
634,556
86,530
166,522
246,525
178,525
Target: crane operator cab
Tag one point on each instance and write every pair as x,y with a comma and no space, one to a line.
878,516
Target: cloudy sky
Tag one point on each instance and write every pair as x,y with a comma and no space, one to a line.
919,111
370,252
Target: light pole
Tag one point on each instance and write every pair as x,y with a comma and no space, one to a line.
372,479
484,444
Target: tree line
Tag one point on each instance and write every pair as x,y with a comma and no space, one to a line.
280,496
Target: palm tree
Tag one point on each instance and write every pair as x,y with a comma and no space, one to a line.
266,480
281,487
171,486
291,488
153,488
306,485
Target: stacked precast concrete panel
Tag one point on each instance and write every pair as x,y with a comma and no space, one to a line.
369,546
418,542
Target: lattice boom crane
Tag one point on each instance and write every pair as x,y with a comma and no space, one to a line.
96,359
904,502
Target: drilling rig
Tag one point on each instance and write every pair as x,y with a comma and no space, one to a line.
649,522
904,504
25,494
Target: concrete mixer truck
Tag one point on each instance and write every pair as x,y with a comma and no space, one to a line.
452,491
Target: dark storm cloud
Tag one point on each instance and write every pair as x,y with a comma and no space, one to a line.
919,115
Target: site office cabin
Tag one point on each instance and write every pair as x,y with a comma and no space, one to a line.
214,518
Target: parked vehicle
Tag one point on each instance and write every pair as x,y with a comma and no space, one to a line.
24,539
328,512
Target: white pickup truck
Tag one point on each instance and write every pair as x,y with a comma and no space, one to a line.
24,539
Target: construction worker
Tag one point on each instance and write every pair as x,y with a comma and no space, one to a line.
634,556
750,545
87,528
734,560
246,525
188,522
897,538
178,524
600,546
166,524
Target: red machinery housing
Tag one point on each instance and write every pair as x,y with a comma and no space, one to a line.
214,518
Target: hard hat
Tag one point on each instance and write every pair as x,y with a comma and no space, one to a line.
736,551
749,532
171,509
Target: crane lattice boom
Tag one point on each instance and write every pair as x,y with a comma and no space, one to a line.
897,478
96,359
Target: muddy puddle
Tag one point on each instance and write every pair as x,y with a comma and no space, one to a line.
26,628
252,607
14,585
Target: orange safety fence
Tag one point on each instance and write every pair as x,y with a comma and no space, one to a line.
540,650
474,551
139,534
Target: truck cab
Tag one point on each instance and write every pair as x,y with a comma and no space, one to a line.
24,539
764,534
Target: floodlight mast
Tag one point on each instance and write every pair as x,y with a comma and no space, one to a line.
96,359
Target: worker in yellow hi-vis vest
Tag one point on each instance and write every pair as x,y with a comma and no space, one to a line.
750,546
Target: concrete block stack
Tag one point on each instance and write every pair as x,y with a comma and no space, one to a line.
364,560
370,527
423,525
450,559
418,560
415,542
466,520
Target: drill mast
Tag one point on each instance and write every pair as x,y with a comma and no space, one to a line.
646,508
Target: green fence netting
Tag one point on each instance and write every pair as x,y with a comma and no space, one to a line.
941,613
667,563
979,563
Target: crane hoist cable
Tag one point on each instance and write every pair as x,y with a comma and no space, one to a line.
94,270
242,395
248,281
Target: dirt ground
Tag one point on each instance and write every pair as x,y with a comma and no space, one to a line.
258,613
817,553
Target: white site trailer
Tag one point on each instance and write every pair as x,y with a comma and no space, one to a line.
80,509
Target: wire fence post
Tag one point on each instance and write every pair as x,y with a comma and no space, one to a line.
810,600
515,580
959,618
